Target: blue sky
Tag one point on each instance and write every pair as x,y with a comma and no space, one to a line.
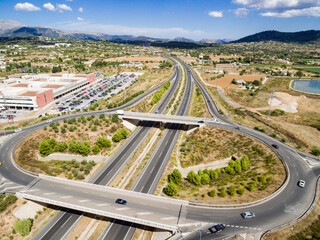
196,19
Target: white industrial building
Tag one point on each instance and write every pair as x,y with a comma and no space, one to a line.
36,91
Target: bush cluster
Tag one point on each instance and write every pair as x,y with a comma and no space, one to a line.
119,135
156,98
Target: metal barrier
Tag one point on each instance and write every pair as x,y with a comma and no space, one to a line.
114,189
98,212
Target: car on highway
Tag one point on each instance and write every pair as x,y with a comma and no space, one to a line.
17,130
246,215
301,183
49,120
121,201
237,128
217,228
275,146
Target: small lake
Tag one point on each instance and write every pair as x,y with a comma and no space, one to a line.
309,86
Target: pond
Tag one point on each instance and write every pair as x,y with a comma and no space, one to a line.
309,86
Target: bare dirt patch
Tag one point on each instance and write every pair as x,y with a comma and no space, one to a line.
226,80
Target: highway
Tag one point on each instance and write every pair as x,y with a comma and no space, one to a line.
152,173
287,205
112,167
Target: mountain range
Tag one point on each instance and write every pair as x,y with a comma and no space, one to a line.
10,28
298,37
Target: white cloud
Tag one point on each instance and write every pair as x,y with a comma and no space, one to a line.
278,4
80,19
49,6
136,31
80,10
62,7
26,7
217,14
283,8
306,12
241,12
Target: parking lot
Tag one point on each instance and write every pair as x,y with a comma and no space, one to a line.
102,89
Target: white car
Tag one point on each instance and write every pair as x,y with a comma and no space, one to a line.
49,120
301,183
246,215
17,130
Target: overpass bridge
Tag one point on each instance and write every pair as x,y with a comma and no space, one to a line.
197,121
145,209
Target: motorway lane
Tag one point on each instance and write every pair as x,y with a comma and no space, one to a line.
152,173
111,169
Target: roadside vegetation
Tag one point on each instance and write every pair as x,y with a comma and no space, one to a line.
253,171
83,136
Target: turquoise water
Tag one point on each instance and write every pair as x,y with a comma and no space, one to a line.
310,86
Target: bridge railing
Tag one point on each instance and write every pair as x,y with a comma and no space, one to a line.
115,189
98,212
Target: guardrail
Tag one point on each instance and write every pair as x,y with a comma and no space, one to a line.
99,212
114,189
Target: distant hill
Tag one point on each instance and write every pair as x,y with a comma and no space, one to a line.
225,40
297,37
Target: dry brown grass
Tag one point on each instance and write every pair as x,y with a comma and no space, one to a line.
29,146
210,144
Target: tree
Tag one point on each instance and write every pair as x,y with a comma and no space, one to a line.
194,178
223,192
205,179
171,189
315,151
175,176
114,118
212,193
213,174
102,142
95,149
245,163
232,190
44,148
73,148
23,226
299,74
241,191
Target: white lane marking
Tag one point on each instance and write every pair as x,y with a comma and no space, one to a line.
65,221
84,200
49,193
103,204
144,213
121,209
33,190
168,218
66,197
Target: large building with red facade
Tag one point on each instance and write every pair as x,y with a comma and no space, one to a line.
36,91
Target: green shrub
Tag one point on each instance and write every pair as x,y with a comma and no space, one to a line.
171,189
23,226
175,176
241,191
95,149
212,193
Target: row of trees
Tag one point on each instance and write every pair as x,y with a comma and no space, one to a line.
156,98
50,145
206,176
119,135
